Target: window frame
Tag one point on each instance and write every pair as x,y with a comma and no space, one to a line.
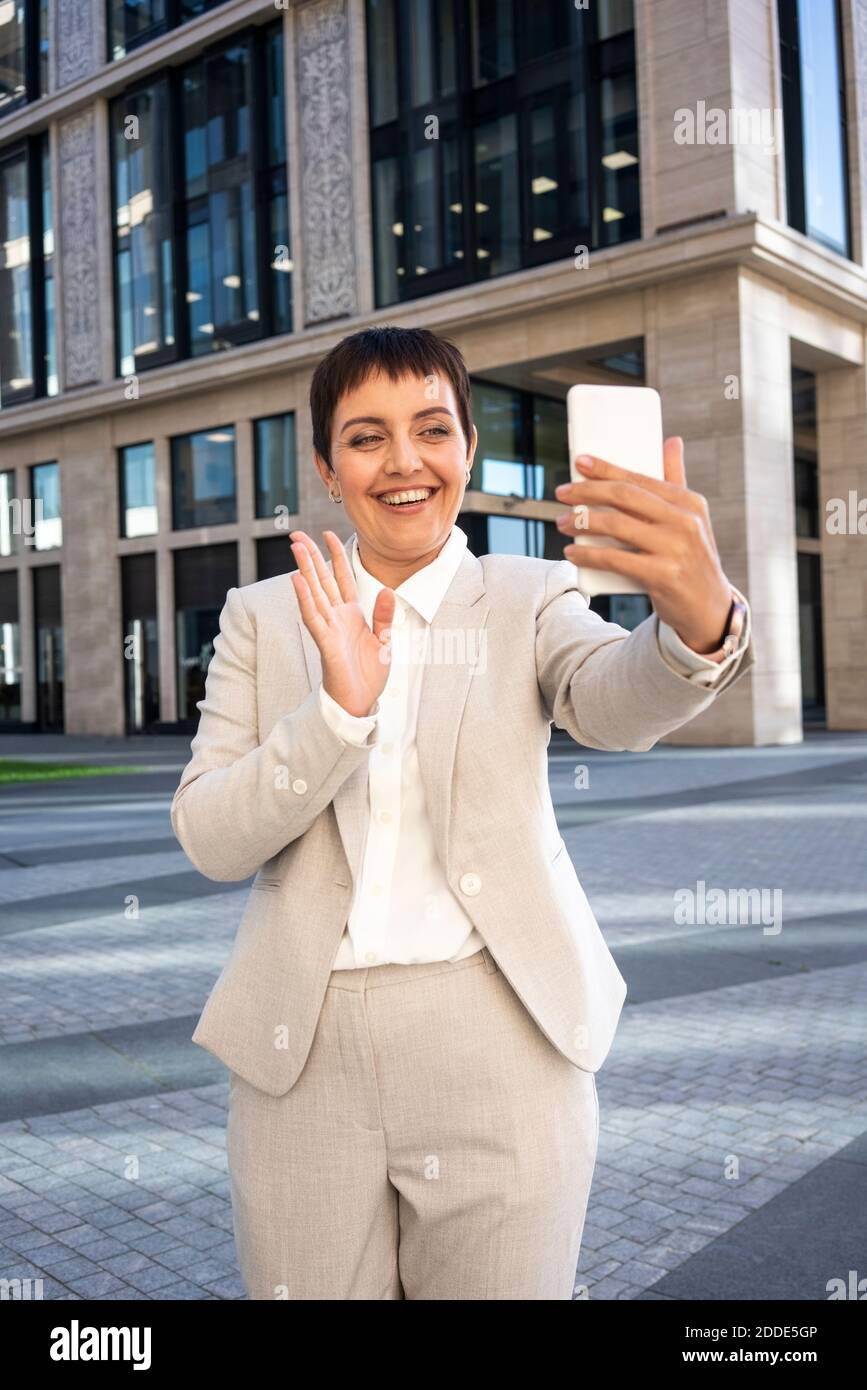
548,76
262,178
31,148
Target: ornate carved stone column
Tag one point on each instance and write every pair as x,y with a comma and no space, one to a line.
326,175
77,40
78,214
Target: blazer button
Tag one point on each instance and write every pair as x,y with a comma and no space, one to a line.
471,884
299,786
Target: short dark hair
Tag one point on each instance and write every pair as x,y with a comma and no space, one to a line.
396,353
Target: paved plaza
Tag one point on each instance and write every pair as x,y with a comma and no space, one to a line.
733,1150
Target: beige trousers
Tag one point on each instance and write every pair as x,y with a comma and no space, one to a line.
435,1146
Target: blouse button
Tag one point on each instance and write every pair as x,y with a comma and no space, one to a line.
471,884
299,786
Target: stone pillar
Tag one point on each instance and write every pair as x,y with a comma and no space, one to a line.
93,687
324,119
78,209
718,351
76,40
841,398
705,58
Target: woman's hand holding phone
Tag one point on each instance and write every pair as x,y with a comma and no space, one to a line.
674,555
355,659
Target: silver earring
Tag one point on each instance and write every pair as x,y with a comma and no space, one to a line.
469,474
335,496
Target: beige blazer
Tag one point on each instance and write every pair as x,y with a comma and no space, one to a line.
270,790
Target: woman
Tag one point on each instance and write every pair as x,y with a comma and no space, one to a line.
418,995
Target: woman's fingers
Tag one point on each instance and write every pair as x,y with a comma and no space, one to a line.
604,521
305,567
672,461
313,619
342,568
326,579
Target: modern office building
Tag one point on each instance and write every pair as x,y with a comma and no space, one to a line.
198,199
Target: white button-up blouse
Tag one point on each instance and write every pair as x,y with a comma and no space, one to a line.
403,909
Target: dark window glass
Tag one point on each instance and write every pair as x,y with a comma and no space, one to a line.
133,22
203,479
276,196
628,610
502,136
273,557
203,577
493,41
814,111
48,633
23,52
28,360
10,514
45,492
52,383
140,641
10,645
812,654
201,218
276,466
223,297
497,212
138,494
382,60
144,258
16,299
806,444
523,443
13,60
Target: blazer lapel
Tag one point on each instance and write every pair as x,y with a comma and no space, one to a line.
454,655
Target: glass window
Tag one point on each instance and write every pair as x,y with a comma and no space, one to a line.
276,191
144,257
493,44
16,299
45,490
133,22
273,557
825,173
202,250
48,626
203,479
138,495
10,509
536,143
497,212
203,577
382,60
10,648
138,575
221,245
23,52
13,62
276,466
52,382
814,112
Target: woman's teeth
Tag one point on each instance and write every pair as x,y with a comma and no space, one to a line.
396,499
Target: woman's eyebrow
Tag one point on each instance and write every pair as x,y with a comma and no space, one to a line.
378,420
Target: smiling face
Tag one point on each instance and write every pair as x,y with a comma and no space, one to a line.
400,461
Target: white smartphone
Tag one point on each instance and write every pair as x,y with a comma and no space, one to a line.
622,424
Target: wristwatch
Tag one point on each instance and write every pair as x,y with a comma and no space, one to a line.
732,632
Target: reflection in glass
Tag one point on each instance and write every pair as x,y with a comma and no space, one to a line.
143,227
203,478
16,306
276,466
13,65
497,216
45,492
825,175
138,495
